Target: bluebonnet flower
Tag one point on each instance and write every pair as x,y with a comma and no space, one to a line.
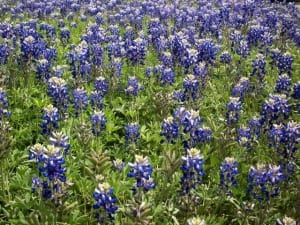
4,53
99,18
275,54
190,58
133,87
80,100
241,88
60,140
201,72
191,87
296,91
225,57
285,138
286,221
96,100
28,47
98,121
244,137
119,164
167,59
105,202
43,69
267,38
58,70
117,66
50,119
167,76
192,170
51,167
243,49
36,152
234,106
263,182
97,54
136,52
255,125
141,170
228,173
3,104
58,91
170,129
132,132
195,221
65,35
296,95
199,135
101,85
191,121
207,50
115,50
178,95
285,62
283,84
275,110
254,34
259,67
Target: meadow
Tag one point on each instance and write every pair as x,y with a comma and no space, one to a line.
149,112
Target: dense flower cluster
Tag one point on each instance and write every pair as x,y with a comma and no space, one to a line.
275,110
234,106
141,170
50,119
58,91
132,132
105,199
98,121
51,167
228,173
263,182
192,170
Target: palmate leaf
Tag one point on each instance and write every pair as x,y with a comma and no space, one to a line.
98,163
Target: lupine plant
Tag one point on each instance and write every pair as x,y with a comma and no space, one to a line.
129,92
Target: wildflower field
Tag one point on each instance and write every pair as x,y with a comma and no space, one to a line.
144,112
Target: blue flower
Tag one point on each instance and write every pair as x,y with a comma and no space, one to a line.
167,76
98,121
60,140
51,166
3,104
263,182
192,170
245,137
50,119
234,106
80,100
141,170
101,85
228,173
65,35
259,67
170,129
43,69
241,88
58,91
275,110
296,91
225,57
133,87
132,132
191,87
283,84
105,199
